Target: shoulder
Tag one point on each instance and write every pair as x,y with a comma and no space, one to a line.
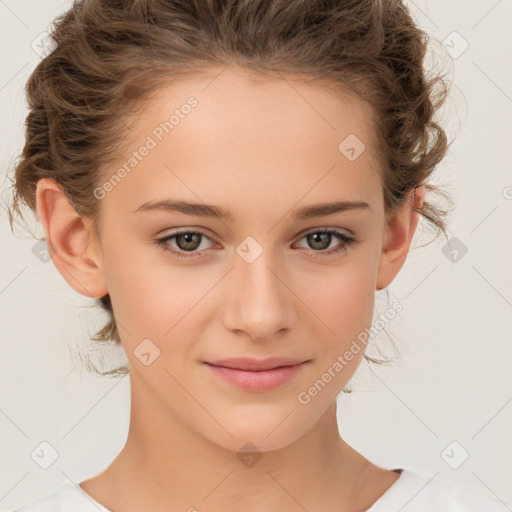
48,503
68,498
415,492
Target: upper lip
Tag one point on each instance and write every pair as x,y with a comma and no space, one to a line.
241,363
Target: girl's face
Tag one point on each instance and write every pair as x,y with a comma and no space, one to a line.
264,281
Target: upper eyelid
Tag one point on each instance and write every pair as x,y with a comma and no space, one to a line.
345,231
204,230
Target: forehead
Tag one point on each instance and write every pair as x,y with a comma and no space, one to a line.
296,109
248,136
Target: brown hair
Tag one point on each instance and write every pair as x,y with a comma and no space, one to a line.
110,55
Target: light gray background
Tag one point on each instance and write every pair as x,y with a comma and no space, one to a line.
453,381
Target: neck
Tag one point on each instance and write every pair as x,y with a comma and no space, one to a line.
165,465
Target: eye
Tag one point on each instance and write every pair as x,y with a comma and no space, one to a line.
319,240
186,241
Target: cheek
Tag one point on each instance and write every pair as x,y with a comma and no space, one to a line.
141,292
343,302
154,298
345,305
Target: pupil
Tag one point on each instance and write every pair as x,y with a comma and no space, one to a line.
189,240
317,239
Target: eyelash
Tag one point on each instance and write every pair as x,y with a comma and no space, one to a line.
343,247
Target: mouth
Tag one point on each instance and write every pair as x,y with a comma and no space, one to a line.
257,375
270,363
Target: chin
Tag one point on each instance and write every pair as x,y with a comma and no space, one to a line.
255,442
259,433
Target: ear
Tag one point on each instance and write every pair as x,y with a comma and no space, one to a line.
70,240
398,236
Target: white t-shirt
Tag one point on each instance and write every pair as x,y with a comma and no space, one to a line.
412,492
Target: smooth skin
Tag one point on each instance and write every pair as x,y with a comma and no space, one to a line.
260,148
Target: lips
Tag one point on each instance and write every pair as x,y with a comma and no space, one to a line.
256,364
257,375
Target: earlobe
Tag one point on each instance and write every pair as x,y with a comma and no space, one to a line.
398,235
69,240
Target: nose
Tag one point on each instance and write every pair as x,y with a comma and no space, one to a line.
260,304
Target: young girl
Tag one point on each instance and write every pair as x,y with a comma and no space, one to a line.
234,180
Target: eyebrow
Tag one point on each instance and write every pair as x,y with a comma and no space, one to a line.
208,210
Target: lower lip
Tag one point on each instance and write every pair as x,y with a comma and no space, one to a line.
264,380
